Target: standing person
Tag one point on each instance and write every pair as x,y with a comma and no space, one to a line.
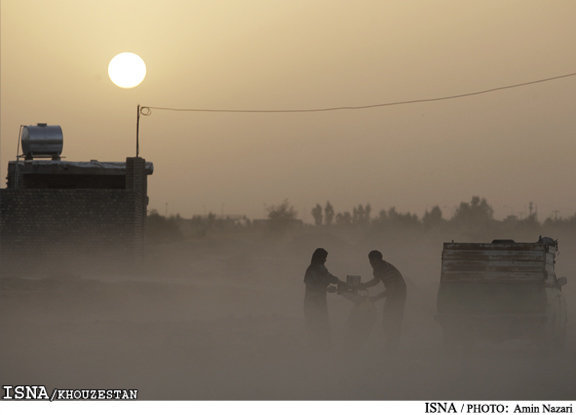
318,281
394,293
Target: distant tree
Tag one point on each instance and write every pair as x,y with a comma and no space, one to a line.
553,222
367,212
328,214
361,214
344,218
531,221
160,228
511,220
282,215
433,218
317,214
556,223
382,217
357,212
402,219
476,213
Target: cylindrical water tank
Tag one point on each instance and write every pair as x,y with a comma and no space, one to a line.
42,140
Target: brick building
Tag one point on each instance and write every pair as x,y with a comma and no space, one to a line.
54,210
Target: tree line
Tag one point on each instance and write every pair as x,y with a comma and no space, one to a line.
474,217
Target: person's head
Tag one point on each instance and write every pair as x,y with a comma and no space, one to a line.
319,256
375,257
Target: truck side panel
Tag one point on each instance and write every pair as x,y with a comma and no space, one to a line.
518,262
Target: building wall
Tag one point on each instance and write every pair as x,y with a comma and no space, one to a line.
39,225
137,182
73,226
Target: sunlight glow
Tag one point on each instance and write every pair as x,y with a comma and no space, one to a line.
127,70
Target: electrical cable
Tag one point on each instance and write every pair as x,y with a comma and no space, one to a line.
147,110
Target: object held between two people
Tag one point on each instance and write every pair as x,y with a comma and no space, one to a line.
353,289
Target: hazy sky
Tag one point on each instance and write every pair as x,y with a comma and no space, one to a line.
511,147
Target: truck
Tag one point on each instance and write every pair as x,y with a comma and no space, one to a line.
501,291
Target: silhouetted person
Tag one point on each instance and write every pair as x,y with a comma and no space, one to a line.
318,281
394,294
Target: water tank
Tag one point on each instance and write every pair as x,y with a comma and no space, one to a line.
42,140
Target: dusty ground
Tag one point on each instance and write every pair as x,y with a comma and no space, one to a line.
221,318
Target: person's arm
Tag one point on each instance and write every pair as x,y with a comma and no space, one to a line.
334,280
380,296
331,279
371,283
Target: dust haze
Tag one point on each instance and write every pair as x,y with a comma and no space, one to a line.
220,316
259,54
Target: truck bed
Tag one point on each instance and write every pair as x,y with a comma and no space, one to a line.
497,262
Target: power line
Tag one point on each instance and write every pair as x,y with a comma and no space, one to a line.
147,110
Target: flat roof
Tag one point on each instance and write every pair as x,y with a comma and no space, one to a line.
74,167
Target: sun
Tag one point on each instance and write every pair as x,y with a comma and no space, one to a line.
127,70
